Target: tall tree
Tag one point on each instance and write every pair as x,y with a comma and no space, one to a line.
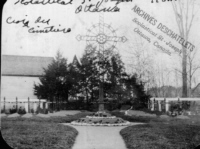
54,85
89,74
137,93
113,81
141,61
185,11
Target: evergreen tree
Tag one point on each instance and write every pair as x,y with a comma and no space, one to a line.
55,84
61,80
113,83
136,93
89,74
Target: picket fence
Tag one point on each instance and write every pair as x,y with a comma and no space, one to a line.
26,104
164,104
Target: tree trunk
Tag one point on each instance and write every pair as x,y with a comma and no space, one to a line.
184,73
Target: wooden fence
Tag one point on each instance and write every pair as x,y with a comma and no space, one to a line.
31,104
164,104
27,104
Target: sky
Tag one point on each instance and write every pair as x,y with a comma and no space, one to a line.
16,40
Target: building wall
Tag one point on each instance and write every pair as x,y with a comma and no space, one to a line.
18,86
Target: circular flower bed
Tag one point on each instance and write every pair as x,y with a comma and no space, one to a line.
100,115
101,119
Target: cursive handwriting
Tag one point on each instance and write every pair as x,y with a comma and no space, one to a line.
152,1
44,2
90,0
119,1
40,20
96,8
23,21
49,29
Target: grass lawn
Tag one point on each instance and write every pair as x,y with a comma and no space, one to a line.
36,132
156,133
165,134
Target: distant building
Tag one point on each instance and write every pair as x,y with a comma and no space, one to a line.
19,73
76,61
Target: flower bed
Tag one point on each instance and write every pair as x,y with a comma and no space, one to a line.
99,124
101,119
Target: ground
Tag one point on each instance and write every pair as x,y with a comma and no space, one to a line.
170,133
99,138
33,135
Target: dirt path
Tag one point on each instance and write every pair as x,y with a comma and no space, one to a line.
91,137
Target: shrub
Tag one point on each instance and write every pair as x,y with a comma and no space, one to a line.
21,111
125,107
45,111
32,111
2,111
175,109
13,111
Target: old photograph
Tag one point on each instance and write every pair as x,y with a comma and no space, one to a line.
100,74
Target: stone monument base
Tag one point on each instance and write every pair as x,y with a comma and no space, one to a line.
101,118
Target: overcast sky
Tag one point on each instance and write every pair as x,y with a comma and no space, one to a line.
16,40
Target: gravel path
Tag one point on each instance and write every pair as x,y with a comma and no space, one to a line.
92,137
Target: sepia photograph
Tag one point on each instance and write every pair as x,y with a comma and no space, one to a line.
100,74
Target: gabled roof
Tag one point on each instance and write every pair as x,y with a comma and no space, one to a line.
13,65
76,61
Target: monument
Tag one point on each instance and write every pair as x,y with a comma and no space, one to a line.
105,37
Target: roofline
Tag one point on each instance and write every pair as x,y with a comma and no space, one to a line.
18,75
26,56
78,59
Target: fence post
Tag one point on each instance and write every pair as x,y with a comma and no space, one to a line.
4,104
164,105
46,105
28,106
42,105
153,105
16,103
159,106
167,105
179,103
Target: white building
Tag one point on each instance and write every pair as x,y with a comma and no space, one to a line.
19,73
